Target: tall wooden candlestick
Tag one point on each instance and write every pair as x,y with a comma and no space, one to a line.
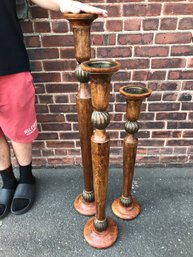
80,25
100,231
126,207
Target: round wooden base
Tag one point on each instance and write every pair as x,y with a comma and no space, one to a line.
83,207
126,213
102,239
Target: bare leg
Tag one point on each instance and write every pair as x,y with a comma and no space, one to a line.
5,159
23,153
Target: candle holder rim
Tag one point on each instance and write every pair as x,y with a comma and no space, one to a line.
135,96
88,66
80,16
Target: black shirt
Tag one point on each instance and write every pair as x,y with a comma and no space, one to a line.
13,55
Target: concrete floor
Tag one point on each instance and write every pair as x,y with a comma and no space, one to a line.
52,228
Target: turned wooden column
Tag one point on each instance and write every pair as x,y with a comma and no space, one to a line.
100,231
126,207
80,26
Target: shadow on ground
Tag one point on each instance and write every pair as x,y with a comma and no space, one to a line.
54,229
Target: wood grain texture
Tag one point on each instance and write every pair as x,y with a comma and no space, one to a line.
100,232
80,25
126,207
103,239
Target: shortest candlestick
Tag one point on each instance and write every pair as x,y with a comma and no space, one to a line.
126,207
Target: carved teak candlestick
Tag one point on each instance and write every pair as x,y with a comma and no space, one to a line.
100,231
126,207
80,25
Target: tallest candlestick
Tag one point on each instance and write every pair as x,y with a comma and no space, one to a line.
80,26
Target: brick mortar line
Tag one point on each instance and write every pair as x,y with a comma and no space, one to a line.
111,18
121,32
141,69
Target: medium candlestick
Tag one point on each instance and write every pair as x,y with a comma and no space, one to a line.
100,231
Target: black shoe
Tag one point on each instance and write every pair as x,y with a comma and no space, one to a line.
26,193
6,196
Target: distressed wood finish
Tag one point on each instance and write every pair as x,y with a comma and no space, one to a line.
84,110
100,152
80,25
126,207
100,238
100,231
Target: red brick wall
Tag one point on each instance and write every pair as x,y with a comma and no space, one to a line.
152,39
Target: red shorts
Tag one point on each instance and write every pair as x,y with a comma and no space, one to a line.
17,110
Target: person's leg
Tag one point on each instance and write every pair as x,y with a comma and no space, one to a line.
7,175
18,122
5,159
23,154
